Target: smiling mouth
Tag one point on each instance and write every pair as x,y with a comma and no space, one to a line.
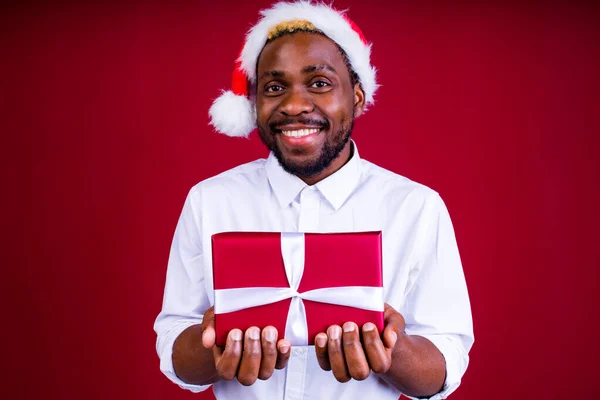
298,133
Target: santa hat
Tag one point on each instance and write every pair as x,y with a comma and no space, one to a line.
234,114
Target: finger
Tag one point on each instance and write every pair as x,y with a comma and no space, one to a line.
394,318
269,353
208,329
394,326
390,336
321,350
387,311
217,354
336,354
356,361
228,361
379,359
283,353
251,357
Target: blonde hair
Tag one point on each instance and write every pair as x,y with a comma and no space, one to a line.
291,26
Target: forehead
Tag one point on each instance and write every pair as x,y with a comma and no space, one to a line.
295,51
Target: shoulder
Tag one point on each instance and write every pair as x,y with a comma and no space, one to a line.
396,186
415,204
244,178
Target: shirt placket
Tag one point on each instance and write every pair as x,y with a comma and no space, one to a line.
308,220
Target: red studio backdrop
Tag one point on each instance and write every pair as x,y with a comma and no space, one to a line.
104,130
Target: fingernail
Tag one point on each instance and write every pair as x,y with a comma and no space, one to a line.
321,340
284,349
270,335
254,333
368,327
334,332
236,335
348,327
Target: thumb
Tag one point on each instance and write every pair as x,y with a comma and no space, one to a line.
393,318
390,336
208,329
394,326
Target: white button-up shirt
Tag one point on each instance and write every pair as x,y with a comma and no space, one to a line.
422,273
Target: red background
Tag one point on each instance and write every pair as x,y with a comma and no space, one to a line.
104,130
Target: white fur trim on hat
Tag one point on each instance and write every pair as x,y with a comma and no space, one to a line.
233,115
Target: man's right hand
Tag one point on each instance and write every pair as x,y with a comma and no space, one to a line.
248,355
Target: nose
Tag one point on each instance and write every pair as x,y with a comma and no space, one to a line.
296,102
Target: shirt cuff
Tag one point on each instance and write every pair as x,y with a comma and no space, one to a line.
456,364
166,357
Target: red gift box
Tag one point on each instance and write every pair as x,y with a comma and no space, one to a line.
299,283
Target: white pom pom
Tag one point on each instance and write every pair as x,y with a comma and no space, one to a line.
233,115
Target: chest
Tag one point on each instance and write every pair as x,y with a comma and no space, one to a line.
311,212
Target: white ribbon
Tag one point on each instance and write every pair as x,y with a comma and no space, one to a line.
296,329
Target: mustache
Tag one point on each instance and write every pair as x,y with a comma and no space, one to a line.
321,123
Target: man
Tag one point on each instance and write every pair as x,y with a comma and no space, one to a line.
309,74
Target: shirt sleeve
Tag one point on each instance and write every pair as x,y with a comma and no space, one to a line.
185,297
437,305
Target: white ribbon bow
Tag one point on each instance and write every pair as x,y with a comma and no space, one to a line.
296,328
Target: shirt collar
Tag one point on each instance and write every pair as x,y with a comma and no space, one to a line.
336,188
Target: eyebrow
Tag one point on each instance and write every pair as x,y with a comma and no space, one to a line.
321,67
306,70
272,74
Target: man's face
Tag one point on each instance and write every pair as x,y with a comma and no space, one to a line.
306,104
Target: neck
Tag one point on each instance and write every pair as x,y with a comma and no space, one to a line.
341,160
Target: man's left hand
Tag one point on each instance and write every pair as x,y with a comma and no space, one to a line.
340,349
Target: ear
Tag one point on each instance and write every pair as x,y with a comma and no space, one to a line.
359,100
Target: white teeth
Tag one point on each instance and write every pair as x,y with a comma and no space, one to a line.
300,132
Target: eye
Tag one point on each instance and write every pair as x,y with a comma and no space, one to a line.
273,88
320,84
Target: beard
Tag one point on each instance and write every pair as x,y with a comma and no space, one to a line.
332,147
